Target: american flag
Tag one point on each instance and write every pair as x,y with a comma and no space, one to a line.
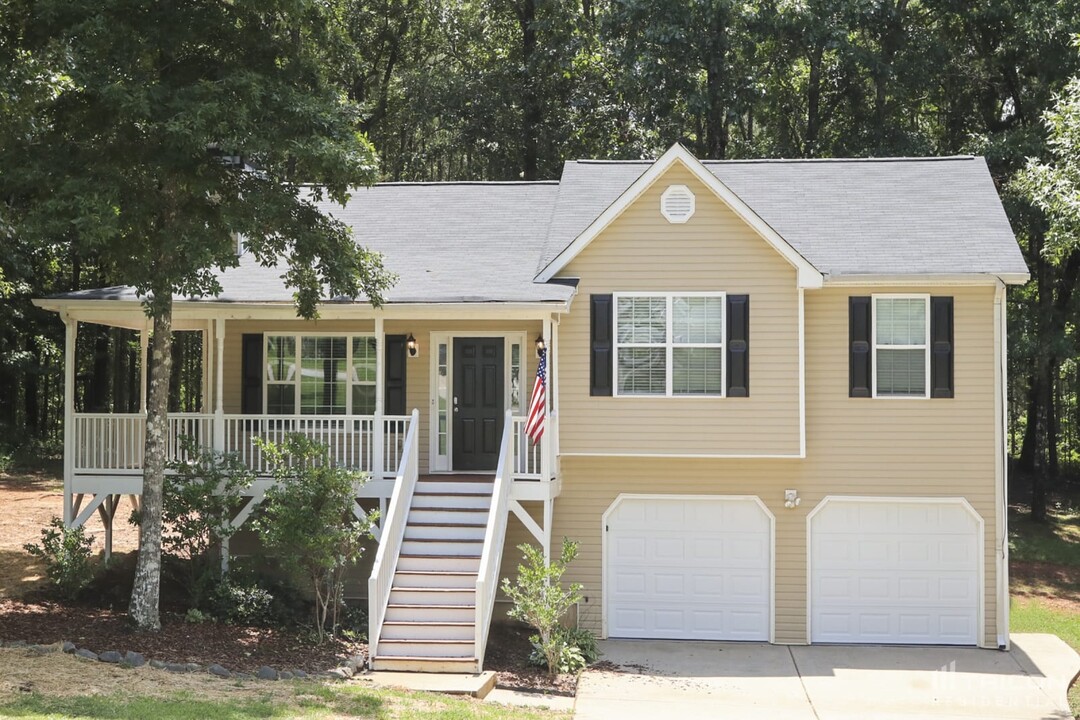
534,426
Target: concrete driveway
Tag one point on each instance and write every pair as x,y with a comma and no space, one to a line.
687,680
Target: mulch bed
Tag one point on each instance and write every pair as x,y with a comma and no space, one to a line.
237,647
1056,585
508,655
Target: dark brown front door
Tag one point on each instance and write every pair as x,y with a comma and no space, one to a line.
478,402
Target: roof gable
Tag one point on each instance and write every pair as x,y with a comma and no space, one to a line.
808,275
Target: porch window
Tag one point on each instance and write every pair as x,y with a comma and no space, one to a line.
320,375
669,344
901,350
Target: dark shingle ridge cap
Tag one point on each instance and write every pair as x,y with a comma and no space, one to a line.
757,161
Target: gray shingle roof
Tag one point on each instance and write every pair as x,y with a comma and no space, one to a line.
484,242
847,217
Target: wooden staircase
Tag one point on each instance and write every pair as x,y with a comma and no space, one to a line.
430,620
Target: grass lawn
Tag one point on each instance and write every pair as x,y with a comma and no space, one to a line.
1045,578
294,700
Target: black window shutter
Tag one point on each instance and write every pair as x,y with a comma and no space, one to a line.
738,345
941,348
860,364
394,391
600,350
251,395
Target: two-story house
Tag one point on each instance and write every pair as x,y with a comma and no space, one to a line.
775,398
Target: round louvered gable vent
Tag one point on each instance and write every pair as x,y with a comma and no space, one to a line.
677,204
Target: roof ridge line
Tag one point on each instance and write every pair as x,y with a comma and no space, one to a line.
754,161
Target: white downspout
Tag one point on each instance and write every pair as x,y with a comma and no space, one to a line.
1001,466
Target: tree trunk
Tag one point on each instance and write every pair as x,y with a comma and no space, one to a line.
31,391
146,592
813,102
532,115
1027,448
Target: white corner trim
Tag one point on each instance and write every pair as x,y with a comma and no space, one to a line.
926,499
1001,468
622,497
808,275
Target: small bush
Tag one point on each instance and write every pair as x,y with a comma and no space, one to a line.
66,552
243,603
540,600
195,616
576,650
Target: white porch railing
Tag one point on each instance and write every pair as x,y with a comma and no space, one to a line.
392,533
112,443
532,462
487,579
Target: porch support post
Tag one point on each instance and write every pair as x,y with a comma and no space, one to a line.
545,444
379,431
71,331
204,403
144,343
219,385
553,393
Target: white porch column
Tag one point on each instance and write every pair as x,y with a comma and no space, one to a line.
71,332
219,385
378,438
204,403
144,344
546,442
553,392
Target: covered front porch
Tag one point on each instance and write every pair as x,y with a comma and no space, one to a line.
400,390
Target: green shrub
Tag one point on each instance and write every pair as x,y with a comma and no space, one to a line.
66,552
197,505
308,524
540,600
195,616
577,650
243,603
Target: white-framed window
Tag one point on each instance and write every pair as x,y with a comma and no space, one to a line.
320,374
901,331
669,344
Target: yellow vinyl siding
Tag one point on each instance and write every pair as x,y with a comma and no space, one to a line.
882,447
714,251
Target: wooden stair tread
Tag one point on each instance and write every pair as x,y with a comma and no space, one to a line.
431,606
456,478
449,509
425,493
412,641
446,525
469,588
425,623
422,556
437,572
425,658
444,540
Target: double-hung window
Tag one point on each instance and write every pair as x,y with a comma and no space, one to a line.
320,375
669,344
901,345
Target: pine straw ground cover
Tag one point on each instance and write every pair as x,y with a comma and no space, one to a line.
58,686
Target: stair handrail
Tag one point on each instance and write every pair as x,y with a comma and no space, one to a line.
487,578
392,533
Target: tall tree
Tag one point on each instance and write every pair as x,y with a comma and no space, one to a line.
169,127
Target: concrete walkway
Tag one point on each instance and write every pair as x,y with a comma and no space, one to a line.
688,680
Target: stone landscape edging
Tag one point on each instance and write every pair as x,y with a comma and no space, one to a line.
352,666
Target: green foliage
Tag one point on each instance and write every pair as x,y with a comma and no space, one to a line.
308,524
577,650
244,603
540,600
195,616
66,552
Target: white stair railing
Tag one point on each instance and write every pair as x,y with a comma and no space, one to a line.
487,580
392,533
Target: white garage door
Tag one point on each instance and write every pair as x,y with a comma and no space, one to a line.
895,570
688,568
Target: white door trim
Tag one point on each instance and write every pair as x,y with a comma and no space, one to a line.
448,336
962,502
621,497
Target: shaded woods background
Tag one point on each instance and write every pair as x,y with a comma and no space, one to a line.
509,89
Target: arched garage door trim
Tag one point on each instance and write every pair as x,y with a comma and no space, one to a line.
623,497
957,501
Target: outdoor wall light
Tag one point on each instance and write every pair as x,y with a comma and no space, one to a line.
540,345
792,499
410,343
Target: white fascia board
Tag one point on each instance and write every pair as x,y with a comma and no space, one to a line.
130,313
809,276
988,279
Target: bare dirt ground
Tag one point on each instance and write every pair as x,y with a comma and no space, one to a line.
28,501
